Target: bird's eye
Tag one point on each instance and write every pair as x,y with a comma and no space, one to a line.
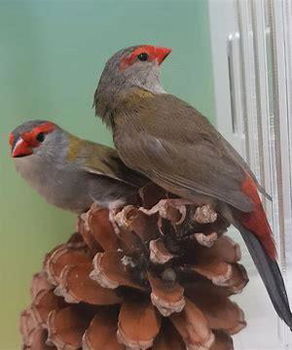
40,137
143,56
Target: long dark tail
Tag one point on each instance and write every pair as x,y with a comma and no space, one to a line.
270,274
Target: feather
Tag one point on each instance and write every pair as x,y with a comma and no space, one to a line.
256,221
184,155
270,274
102,161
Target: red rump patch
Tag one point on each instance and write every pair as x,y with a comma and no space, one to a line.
257,221
154,52
31,136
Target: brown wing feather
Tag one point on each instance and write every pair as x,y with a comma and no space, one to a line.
175,146
103,161
238,158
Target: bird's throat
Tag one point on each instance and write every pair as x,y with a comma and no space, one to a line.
108,105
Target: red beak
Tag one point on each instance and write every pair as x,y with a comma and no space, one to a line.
21,149
161,54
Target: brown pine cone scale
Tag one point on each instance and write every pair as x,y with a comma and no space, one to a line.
157,277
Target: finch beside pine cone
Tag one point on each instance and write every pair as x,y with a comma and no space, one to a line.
157,275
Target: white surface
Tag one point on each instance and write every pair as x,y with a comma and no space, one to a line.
251,47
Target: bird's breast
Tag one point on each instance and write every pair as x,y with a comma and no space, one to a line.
60,186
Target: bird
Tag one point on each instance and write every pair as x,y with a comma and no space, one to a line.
167,140
69,172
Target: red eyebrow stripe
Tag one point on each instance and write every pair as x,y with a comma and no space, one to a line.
154,52
128,60
30,136
46,127
145,48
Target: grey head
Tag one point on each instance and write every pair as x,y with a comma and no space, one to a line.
39,149
135,66
35,138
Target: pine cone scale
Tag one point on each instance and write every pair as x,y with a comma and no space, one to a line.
153,277
138,325
101,333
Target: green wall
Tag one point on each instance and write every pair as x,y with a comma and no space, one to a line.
51,53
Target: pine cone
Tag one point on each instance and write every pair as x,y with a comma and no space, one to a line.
157,275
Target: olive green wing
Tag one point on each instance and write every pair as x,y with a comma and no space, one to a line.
169,142
103,161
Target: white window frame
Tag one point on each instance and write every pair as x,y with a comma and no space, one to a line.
256,117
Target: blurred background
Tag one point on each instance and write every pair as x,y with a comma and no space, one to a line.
51,55
230,59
